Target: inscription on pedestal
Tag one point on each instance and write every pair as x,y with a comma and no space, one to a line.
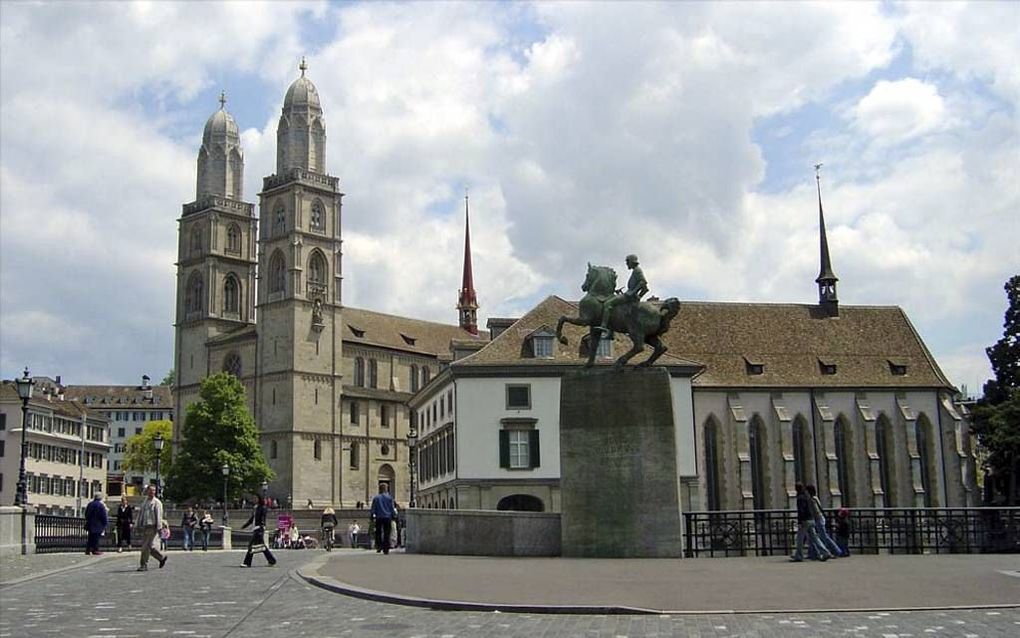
618,476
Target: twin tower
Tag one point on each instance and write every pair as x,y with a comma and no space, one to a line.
286,267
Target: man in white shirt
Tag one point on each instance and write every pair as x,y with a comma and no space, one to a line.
150,519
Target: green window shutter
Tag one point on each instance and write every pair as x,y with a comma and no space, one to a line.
533,452
504,448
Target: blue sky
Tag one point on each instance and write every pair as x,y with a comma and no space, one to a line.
685,132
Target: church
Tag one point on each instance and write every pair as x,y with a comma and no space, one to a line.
259,295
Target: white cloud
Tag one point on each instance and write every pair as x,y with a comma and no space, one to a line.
898,111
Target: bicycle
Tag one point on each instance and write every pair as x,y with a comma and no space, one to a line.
327,538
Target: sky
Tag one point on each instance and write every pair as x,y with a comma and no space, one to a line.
685,132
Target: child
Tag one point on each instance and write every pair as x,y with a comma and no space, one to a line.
843,530
164,535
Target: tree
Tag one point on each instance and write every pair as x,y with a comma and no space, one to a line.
996,417
170,379
218,430
140,455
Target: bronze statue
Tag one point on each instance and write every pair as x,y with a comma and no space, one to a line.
637,286
642,321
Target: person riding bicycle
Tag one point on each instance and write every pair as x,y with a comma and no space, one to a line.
329,522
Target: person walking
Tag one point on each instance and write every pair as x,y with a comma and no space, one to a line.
188,524
257,543
205,525
96,520
818,514
125,523
150,521
352,533
843,530
806,527
328,525
383,513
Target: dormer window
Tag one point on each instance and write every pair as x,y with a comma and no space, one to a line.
897,368
754,366
356,331
408,340
826,367
542,343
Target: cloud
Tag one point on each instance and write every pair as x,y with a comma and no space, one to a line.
901,110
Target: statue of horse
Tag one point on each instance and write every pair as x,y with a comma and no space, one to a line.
643,322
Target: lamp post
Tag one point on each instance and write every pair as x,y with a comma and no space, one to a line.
157,443
226,476
412,441
24,384
265,491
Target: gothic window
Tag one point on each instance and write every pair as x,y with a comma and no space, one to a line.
800,452
713,491
843,442
196,239
414,378
426,374
373,373
277,273
884,445
193,301
359,372
922,435
317,268
355,455
318,220
234,239
354,413
232,364
756,441
279,220
231,295
384,415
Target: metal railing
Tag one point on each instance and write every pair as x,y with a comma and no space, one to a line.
873,531
67,534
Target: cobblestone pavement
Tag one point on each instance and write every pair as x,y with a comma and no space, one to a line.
208,595
15,567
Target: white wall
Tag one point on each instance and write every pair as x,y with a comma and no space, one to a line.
683,420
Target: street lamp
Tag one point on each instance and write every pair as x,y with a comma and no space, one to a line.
226,475
265,492
24,384
157,443
412,441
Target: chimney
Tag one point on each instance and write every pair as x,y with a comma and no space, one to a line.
145,381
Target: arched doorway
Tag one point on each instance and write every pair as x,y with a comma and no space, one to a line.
386,476
520,503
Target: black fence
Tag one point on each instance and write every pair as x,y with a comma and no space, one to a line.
971,530
67,534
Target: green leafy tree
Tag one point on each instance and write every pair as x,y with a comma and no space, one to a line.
170,378
140,455
996,417
218,430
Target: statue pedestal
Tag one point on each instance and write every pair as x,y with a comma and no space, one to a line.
618,470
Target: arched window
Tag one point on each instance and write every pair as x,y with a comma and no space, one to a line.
800,472
426,374
384,415
317,268
885,448
231,295
279,220
196,239
373,373
234,239
520,503
359,372
232,364
923,437
713,492
414,378
756,441
277,273
318,218
355,455
844,459
193,297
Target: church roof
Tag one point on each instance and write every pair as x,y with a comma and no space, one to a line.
753,345
302,92
372,328
220,125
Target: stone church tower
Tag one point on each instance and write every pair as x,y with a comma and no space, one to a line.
299,353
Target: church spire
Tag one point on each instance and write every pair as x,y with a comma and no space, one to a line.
468,302
826,280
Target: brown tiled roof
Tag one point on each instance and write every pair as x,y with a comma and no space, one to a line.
790,341
104,396
510,347
67,407
399,333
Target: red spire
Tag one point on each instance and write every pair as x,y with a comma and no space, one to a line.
468,302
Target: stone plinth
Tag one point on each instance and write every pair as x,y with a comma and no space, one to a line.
482,532
11,521
618,472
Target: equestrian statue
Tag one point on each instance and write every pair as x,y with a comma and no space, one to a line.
606,309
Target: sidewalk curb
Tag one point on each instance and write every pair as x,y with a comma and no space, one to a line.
309,573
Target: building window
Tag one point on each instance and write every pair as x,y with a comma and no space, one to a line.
518,397
120,432
542,346
272,449
756,436
231,295
449,403
359,372
317,450
384,449
232,364
799,452
196,239
713,494
318,219
3,422
354,412
279,220
414,378
826,367
884,447
317,268
138,430
754,366
355,456
2,444
233,239
921,433
193,297
842,440
897,368
277,273
518,448
426,375
384,415
373,373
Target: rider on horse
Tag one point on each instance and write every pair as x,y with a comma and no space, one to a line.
637,286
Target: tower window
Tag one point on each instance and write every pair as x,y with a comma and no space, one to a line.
233,239
196,239
318,220
277,273
317,269
317,450
359,372
193,296
232,364
354,413
231,295
279,220
384,415
355,456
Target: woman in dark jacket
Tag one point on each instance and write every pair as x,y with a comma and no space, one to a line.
125,521
258,536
